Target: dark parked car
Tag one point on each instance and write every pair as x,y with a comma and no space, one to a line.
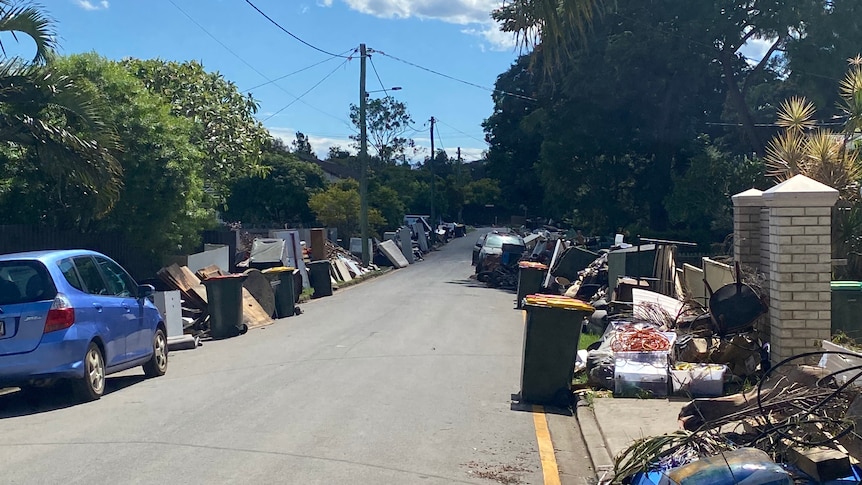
492,248
76,315
477,247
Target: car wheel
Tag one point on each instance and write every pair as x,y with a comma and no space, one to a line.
158,363
92,386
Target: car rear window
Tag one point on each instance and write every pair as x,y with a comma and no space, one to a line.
497,241
25,282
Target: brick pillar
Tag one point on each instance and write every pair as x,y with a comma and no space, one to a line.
800,254
746,227
764,243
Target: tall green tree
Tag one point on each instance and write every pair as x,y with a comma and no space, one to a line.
338,206
161,207
225,129
281,196
388,123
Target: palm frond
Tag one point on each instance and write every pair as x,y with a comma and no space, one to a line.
796,114
855,60
829,163
823,147
851,99
785,154
554,24
852,82
26,18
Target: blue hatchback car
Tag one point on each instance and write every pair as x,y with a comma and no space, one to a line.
75,315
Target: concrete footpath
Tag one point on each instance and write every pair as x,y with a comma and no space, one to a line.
610,425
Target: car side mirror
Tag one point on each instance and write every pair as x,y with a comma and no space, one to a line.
146,291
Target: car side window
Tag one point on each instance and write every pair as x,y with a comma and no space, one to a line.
67,267
119,282
90,276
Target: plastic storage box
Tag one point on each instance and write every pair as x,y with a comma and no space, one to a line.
641,373
702,380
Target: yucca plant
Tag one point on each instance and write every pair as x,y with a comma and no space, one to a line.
820,154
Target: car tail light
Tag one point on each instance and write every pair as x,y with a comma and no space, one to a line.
61,315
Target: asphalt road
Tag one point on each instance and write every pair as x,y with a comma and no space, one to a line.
407,378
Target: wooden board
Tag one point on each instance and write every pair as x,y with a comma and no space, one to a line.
189,285
261,289
343,271
253,315
209,272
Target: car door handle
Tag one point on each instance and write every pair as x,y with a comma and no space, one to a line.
128,309
98,307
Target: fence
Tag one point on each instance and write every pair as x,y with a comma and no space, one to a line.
18,238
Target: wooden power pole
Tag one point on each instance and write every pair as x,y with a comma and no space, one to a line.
431,167
363,159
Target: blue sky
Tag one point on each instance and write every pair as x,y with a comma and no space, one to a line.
455,37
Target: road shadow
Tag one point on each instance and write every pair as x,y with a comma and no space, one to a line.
59,396
472,282
527,407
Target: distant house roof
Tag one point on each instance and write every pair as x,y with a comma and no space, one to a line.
335,171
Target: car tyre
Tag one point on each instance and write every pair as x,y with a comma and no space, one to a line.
158,363
92,386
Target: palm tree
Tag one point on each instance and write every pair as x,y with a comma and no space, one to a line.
51,115
553,24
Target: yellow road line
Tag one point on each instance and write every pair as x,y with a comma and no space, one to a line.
546,447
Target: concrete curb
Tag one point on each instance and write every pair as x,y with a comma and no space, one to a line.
597,447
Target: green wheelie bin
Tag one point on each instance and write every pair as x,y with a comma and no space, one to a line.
551,334
530,277
224,301
318,275
281,278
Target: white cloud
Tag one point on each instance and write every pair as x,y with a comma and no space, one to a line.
320,144
453,11
475,14
88,5
496,39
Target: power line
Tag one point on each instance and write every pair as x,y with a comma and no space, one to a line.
461,132
767,125
232,52
296,72
291,33
213,37
307,91
373,67
440,140
438,73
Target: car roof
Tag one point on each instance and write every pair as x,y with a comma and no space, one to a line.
47,255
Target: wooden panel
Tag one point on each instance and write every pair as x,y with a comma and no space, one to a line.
253,315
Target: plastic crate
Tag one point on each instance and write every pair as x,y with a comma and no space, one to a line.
638,373
702,380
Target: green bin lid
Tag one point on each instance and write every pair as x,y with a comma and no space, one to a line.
847,286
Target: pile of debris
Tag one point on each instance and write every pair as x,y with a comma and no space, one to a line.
195,303
700,333
797,425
